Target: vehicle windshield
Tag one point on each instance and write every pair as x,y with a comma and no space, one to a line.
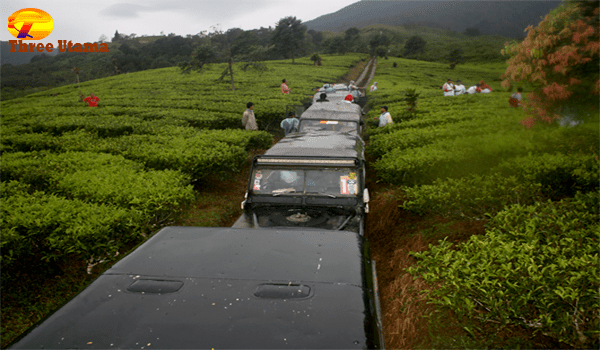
332,182
307,125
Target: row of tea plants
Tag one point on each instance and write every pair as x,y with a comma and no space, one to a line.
469,157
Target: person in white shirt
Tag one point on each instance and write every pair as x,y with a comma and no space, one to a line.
459,88
474,89
385,118
448,88
374,87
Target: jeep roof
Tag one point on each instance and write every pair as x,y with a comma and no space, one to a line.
325,144
196,287
333,111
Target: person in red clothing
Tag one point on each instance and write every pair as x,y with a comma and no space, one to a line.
284,88
92,100
484,86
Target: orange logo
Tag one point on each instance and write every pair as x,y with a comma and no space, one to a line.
30,24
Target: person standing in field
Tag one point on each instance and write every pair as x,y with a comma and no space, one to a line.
290,124
284,88
516,98
374,87
248,118
92,100
459,88
448,88
385,117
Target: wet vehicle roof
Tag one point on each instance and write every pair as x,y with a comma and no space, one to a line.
195,287
333,111
323,144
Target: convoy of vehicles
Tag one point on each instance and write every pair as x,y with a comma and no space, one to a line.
294,271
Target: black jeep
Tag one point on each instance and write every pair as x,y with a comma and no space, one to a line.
308,180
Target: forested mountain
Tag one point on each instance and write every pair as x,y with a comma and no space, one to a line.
506,18
446,31
16,58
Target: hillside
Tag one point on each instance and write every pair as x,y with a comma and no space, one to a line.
506,18
16,58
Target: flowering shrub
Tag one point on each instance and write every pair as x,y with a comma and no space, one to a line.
560,58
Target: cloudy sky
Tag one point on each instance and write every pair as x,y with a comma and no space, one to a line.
85,21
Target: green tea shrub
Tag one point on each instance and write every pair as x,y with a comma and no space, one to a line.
102,178
196,156
519,180
558,174
48,227
474,197
537,267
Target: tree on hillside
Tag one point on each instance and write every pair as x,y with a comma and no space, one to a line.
335,45
470,31
414,46
560,58
203,54
117,37
235,45
352,38
378,44
288,37
455,57
317,38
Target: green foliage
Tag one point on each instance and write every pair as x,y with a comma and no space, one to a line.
288,37
51,228
414,46
202,55
536,267
474,197
86,180
469,157
102,178
520,180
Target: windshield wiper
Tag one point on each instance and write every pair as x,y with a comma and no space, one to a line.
282,191
323,193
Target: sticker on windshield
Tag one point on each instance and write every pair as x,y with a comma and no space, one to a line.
352,186
352,183
328,122
344,185
257,178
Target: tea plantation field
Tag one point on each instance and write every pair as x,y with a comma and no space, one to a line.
83,181
469,157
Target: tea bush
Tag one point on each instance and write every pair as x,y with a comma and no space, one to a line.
537,267
48,227
102,179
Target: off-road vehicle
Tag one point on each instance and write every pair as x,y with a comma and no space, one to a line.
224,288
308,180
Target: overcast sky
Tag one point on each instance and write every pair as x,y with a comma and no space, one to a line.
85,21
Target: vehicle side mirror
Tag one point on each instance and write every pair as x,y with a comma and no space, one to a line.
244,202
366,199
